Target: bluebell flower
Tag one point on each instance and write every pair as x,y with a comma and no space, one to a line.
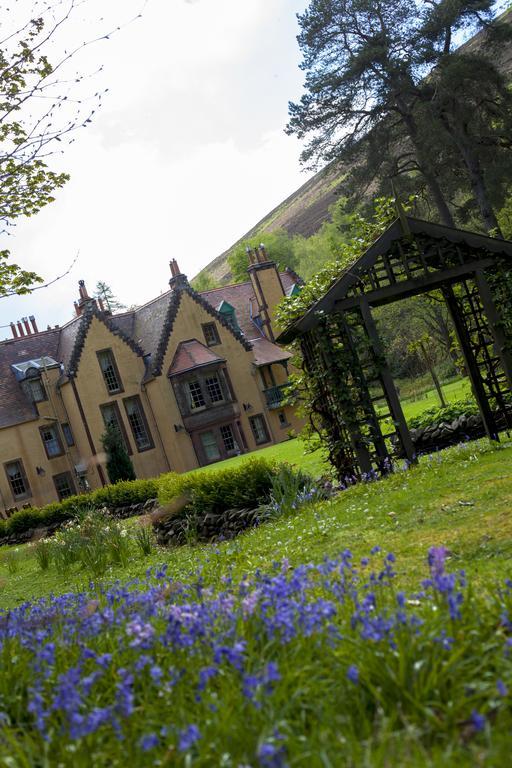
478,721
353,674
502,688
188,737
148,742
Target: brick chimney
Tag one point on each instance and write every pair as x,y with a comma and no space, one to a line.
84,298
178,279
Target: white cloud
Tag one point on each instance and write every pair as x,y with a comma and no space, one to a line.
187,153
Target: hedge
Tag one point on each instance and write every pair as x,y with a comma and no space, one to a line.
221,503
247,485
119,495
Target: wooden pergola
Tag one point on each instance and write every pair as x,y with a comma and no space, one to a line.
343,353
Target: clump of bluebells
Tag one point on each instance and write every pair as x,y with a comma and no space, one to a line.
262,673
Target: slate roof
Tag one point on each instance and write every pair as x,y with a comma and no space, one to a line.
146,330
192,354
15,408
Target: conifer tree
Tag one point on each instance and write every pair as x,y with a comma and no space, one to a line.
119,465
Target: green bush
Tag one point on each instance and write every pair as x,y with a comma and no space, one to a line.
118,495
448,414
247,485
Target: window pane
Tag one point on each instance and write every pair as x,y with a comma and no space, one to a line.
68,435
108,370
63,485
16,477
259,429
214,389
210,446
137,423
228,438
51,441
211,335
196,395
37,390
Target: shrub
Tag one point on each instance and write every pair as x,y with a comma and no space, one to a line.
121,494
247,485
144,537
225,502
449,413
43,553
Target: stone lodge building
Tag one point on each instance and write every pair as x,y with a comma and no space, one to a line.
189,379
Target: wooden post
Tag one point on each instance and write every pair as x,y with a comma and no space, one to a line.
388,384
493,319
471,365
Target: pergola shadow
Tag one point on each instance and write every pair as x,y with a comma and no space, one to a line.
343,354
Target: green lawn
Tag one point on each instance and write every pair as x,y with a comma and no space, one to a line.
461,498
455,390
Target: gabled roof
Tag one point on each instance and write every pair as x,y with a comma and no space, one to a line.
84,323
192,354
400,230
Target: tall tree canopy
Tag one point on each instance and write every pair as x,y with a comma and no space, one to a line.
386,70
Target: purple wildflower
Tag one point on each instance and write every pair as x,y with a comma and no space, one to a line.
188,737
148,741
477,720
353,674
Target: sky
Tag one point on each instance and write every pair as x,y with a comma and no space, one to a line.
186,153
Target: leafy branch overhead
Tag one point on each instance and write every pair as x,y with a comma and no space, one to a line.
42,103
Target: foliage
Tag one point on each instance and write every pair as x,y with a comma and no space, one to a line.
42,103
335,645
445,414
93,541
106,294
247,485
144,536
387,89
291,489
119,464
277,244
119,495
204,282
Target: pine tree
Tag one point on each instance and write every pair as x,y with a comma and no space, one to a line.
376,71
106,294
119,465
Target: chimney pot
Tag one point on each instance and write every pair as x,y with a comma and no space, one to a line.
27,326
14,331
34,324
20,328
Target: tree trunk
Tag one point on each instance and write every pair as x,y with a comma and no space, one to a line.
476,176
478,186
424,164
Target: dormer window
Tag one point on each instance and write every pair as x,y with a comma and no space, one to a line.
109,370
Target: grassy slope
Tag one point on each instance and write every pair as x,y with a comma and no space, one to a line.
460,497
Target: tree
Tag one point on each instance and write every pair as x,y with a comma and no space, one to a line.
369,69
119,465
278,246
41,104
204,282
106,294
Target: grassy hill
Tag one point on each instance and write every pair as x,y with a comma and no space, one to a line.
304,211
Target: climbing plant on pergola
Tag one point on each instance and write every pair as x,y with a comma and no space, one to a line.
342,353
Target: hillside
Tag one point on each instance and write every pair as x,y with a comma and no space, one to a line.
304,211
